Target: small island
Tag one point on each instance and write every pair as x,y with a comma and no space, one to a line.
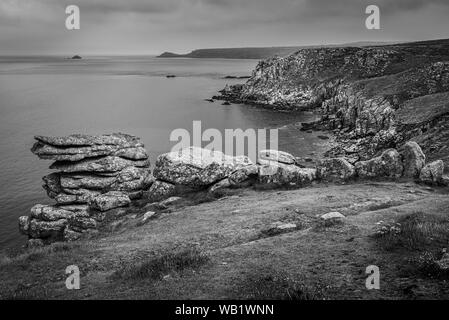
76,57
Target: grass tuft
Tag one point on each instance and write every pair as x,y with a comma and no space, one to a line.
156,267
278,286
417,231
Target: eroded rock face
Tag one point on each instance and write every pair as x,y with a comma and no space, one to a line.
335,169
388,165
94,174
413,159
432,173
196,167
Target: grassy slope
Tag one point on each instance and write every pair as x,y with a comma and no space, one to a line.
243,259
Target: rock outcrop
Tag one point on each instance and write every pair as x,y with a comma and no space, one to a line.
195,169
94,173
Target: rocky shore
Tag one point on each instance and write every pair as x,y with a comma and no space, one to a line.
373,98
99,176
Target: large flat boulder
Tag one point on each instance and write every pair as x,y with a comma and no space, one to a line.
78,147
104,164
196,167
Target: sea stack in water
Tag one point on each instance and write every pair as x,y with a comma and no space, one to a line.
94,174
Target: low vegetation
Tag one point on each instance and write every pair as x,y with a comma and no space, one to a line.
156,267
417,231
281,286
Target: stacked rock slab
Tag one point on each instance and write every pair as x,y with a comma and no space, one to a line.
94,174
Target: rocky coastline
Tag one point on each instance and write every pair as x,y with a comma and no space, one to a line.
99,177
372,98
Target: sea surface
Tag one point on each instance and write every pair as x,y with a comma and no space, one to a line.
97,95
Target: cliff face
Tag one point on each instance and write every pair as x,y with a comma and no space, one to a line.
374,97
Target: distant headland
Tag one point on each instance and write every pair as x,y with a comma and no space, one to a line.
259,52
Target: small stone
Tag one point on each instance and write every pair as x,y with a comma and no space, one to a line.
332,215
147,216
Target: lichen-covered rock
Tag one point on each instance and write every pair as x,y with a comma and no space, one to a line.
99,172
24,224
388,165
278,174
105,164
413,159
220,185
335,169
265,156
432,173
71,235
81,224
160,190
243,174
110,200
53,213
196,167
47,229
78,147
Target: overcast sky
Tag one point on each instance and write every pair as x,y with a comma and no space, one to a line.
154,26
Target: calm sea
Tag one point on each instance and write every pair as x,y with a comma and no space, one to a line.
97,95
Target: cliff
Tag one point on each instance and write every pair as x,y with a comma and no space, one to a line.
373,97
